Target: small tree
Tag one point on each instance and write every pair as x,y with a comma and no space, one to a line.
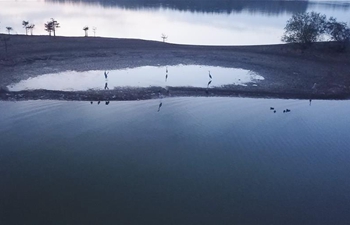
51,26
338,31
86,30
164,37
31,27
304,28
25,26
9,29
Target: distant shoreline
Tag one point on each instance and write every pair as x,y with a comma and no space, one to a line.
289,72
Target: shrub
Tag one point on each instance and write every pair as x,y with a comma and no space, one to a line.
305,28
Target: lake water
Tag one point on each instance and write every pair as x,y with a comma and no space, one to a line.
185,161
169,76
220,22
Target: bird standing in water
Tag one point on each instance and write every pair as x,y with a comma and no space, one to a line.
210,75
106,73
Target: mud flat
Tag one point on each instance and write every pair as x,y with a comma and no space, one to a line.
289,71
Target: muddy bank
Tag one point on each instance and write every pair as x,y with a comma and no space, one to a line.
289,72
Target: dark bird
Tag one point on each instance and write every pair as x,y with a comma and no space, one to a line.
98,102
106,73
91,102
274,111
272,108
287,110
106,86
210,75
166,69
284,111
166,77
107,102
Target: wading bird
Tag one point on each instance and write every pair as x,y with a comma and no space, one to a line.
106,73
210,75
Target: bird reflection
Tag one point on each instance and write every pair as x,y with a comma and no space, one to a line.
209,83
166,74
106,86
159,106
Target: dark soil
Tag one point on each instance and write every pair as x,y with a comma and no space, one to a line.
289,71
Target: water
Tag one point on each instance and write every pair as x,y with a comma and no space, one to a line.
174,76
187,22
193,161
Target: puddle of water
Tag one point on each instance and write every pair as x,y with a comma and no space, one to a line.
172,76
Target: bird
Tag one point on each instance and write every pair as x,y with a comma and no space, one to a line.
210,75
106,86
272,108
274,111
287,110
166,69
106,73
98,102
91,102
166,77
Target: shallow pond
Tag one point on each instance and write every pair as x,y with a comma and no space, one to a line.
172,76
175,160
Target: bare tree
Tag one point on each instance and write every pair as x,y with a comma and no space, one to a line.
31,27
86,30
9,29
51,26
25,26
164,37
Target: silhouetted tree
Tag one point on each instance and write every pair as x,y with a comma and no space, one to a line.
164,37
31,27
25,26
86,31
51,26
339,32
9,29
305,28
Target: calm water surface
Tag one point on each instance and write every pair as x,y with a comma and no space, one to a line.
175,161
219,22
170,76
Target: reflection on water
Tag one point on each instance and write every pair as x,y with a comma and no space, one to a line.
207,6
181,76
222,22
196,161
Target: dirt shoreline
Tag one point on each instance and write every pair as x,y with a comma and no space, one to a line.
289,72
